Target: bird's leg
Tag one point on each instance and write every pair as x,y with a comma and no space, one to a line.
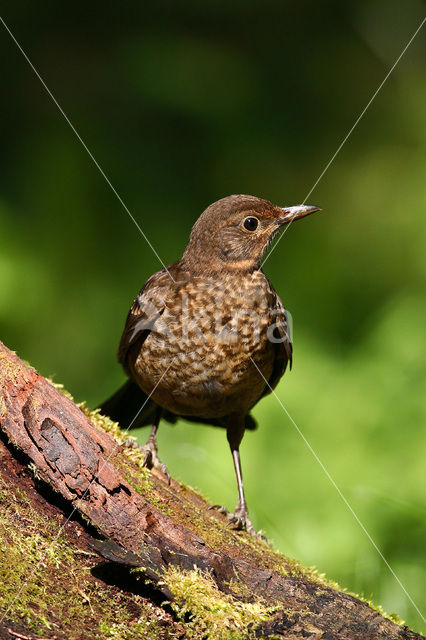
241,511
150,449
239,518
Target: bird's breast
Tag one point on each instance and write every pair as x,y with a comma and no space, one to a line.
198,359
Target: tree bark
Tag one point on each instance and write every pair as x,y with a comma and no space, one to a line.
141,521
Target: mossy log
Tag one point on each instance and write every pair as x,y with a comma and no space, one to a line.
72,498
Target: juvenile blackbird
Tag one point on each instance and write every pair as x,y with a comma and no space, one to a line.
205,333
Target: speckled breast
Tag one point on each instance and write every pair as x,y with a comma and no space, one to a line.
198,358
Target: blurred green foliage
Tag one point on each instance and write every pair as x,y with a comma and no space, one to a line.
183,103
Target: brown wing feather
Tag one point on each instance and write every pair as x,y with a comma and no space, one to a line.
144,312
283,347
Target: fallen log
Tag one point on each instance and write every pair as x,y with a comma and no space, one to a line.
219,583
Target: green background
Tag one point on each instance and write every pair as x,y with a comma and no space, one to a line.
181,104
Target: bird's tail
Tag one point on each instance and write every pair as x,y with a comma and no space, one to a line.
130,407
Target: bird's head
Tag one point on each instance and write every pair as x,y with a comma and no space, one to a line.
235,232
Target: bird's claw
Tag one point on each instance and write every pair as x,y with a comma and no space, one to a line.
239,521
151,459
219,509
148,459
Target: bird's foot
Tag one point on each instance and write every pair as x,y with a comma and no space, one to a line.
151,459
219,509
239,521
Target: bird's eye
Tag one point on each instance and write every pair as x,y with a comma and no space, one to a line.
251,223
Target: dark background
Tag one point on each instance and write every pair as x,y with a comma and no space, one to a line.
181,104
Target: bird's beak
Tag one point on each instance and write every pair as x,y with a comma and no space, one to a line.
297,212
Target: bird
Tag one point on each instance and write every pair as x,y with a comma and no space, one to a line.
207,337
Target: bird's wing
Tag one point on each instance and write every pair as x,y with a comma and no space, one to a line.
145,311
283,347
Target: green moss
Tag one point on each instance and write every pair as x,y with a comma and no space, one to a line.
60,387
314,575
147,629
208,612
45,586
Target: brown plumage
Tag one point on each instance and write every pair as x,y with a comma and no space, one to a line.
201,331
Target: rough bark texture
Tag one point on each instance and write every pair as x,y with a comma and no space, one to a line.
143,522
